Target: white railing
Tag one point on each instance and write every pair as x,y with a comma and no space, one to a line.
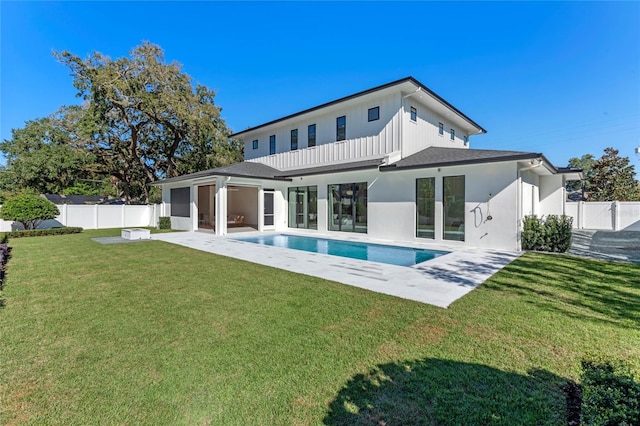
337,152
98,217
613,216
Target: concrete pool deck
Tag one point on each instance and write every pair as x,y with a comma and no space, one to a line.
438,282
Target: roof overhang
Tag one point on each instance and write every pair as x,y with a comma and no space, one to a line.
408,87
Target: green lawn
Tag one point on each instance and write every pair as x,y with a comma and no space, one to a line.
152,333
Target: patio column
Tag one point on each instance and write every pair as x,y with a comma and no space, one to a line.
221,205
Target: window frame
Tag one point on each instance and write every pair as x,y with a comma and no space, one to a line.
294,135
272,144
255,144
309,144
413,111
450,203
452,132
375,110
429,230
341,132
440,129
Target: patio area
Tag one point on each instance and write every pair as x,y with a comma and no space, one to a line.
438,282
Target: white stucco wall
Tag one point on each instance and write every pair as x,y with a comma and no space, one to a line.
490,190
552,195
392,203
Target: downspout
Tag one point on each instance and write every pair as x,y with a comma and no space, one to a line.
535,163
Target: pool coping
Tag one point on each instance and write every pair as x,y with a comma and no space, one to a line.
439,281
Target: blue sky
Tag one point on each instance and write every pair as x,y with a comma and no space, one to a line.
557,78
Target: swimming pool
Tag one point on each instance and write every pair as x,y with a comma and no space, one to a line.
394,255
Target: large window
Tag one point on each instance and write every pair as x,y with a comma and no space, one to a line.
425,207
272,144
303,207
348,207
341,128
180,202
311,135
453,200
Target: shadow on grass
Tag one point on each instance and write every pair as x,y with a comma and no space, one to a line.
434,391
598,291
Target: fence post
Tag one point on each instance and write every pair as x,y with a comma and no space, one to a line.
122,216
615,211
95,217
63,210
581,215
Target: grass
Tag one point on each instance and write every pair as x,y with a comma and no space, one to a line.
152,333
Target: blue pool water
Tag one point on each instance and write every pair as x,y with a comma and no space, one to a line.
402,256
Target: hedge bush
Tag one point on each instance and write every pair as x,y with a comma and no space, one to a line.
29,209
164,223
42,232
552,234
610,393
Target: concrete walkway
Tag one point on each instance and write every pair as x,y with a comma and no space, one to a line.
438,282
622,246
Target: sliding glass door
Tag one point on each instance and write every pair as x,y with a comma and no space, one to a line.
348,207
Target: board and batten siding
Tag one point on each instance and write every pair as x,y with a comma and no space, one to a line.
364,139
424,132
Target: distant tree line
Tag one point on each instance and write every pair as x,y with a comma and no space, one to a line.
142,120
609,178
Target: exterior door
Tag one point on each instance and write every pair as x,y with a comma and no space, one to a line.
268,216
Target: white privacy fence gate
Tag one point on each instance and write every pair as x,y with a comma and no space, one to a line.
606,215
99,217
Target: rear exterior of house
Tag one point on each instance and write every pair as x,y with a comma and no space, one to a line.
393,162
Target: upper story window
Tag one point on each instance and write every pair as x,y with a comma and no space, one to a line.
311,135
341,128
255,144
440,129
272,144
453,135
374,113
466,139
414,114
294,139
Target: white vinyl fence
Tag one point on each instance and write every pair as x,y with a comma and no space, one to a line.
612,216
98,217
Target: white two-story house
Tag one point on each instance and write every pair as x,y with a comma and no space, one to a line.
393,162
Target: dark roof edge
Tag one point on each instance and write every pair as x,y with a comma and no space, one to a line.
569,170
187,177
365,92
445,103
524,156
324,172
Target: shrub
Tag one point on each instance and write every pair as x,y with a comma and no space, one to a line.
42,232
610,394
552,234
164,223
29,209
533,234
